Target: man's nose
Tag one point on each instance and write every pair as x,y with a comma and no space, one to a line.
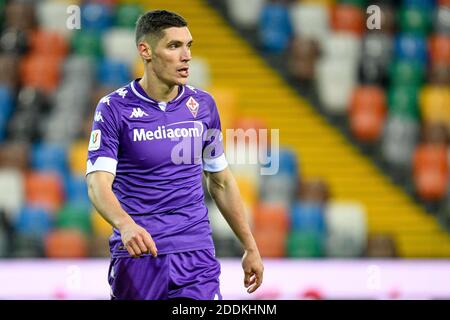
186,55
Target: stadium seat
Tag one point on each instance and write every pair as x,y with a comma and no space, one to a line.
45,42
342,46
9,71
249,192
24,126
411,48
52,16
415,19
441,21
305,244
381,246
126,15
79,68
100,226
347,229
77,192
437,133
66,243
33,222
271,243
314,190
49,157
307,217
74,216
310,20
439,74
422,4
87,43
13,41
271,217
348,18
399,139
275,27
199,73
431,171
32,99
96,17
367,113
113,73
41,71
44,190
119,45
20,15
434,103
406,73
403,102
377,46
278,189
6,108
219,226
335,82
439,48
356,3
12,191
14,155
303,55
77,157
245,14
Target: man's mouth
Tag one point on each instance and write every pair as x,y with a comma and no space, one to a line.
183,71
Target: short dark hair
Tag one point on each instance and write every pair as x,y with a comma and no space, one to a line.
155,21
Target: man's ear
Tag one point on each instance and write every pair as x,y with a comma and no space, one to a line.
145,51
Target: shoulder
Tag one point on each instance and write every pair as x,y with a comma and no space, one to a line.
200,95
113,101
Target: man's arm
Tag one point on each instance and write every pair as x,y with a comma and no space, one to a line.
135,238
225,192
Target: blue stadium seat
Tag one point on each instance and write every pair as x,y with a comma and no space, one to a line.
308,217
113,73
6,105
33,221
49,157
275,28
410,47
96,17
76,191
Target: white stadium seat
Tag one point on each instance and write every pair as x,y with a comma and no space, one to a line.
12,191
199,73
119,44
310,21
346,224
245,13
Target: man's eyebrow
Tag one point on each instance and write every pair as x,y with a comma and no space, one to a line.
178,42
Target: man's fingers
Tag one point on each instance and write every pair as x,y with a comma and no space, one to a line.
135,247
141,244
151,245
256,281
130,250
247,279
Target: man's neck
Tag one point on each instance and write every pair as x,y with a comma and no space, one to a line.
157,90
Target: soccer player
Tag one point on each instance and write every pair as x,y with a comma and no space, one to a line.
151,141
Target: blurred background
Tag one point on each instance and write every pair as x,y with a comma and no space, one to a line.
360,206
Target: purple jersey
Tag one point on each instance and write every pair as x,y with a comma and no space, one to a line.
157,152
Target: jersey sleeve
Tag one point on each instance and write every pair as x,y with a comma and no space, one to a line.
214,159
104,140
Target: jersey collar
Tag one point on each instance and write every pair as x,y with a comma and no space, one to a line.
141,94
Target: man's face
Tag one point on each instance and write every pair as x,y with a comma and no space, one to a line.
171,55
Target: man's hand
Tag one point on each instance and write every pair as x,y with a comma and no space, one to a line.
137,240
253,270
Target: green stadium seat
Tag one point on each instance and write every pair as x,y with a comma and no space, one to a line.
304,244
415,20
357,3
406,73
71,216
127,14
403,102
87,43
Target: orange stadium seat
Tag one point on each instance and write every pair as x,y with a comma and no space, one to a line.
46,42
271,217
439,47
271,243
226,101
367,112
347,18
66,243
44,189
41,71
431,171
